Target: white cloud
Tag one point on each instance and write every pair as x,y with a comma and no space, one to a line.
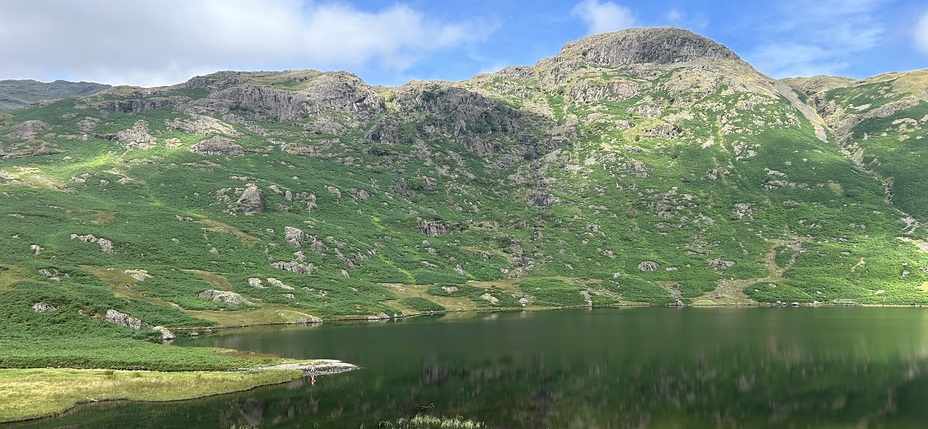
819,38
157,42
603,17
679,18
921,33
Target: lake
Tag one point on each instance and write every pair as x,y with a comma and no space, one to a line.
601,368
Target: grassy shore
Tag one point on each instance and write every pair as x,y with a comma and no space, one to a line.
32,393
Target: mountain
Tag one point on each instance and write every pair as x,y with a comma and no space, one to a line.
19,93
645,166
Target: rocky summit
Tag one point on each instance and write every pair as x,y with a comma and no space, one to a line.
648,166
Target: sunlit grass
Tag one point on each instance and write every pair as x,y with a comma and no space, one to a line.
31,393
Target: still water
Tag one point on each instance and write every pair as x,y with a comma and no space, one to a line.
604,368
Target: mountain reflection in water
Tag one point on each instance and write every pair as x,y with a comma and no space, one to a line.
634,368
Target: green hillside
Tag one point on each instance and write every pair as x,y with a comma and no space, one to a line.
619,172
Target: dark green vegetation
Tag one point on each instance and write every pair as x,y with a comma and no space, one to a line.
19,93
610,174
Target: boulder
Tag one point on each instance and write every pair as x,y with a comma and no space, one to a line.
294,236
218,145
166,335
125,320
229,299
43,307
251,201
648,266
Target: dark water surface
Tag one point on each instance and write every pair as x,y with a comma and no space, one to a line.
609,368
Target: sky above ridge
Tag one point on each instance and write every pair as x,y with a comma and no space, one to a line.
163,42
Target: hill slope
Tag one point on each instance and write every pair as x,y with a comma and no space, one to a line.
19,93
645,166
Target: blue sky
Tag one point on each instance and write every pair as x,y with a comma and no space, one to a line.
160,42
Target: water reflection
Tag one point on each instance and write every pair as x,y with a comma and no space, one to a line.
639,368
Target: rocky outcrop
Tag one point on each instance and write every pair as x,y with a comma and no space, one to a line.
133,105
251,201
201,125
293,267
718,263
28,129
166,334
645,46
294,236
44,307
317,246
229,299
218,145
277,283
135,137
648,266
431,228
324,92
124,320
105,245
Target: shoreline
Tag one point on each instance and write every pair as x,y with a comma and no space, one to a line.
196,330
70,385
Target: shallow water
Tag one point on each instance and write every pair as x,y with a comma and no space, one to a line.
606,368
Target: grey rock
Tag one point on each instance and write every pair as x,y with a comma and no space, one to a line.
135,137
218,145
293,267
317,246
431,228
251,201
229,299
166,335
645,46
125,320
718,263
43,307
648,266
323,92
28,129
294,236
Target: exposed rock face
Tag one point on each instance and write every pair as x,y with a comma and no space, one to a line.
251,201
201,125
134,105
432,228
135,137
28,129
218,145
324,92
229,299
484,125
646,45
294,236
123,319
87,125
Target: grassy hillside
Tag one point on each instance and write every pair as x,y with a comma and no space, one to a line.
592,178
